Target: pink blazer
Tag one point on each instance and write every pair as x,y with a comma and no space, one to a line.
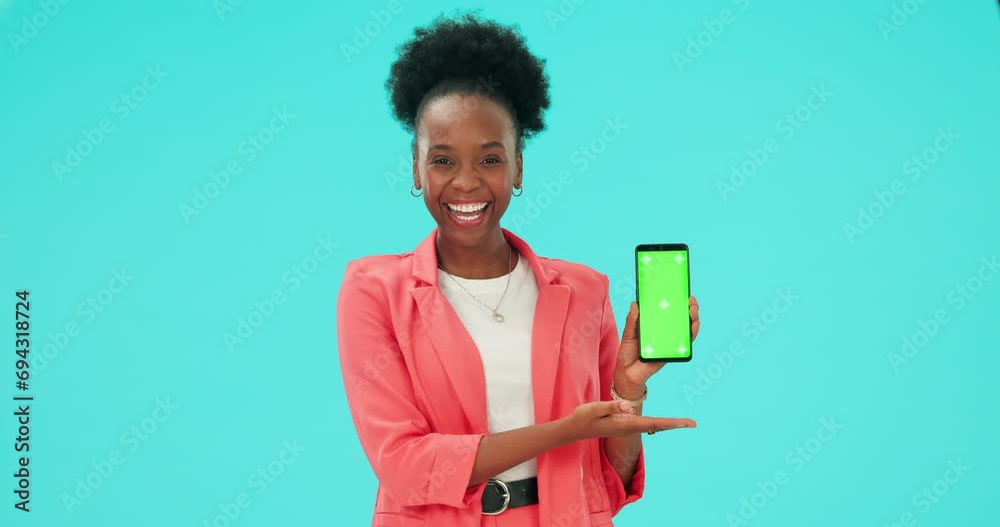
416,389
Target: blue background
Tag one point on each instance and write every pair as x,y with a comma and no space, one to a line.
331,174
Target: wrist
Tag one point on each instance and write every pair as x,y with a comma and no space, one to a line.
629,390
565,431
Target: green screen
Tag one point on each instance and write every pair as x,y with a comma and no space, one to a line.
664,317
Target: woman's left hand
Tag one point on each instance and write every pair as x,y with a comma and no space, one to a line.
631,374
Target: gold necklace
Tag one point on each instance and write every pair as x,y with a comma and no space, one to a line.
497,316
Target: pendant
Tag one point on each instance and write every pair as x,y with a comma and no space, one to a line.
497,316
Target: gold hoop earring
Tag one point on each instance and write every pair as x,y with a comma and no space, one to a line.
418,193
517,194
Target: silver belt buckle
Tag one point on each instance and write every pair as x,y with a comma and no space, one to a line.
506,496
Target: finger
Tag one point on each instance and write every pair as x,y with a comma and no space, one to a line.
612,408
631,333
658,424
630,424
695,319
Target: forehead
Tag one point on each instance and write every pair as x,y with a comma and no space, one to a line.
462,117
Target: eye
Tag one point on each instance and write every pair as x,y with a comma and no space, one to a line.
492,160
441,161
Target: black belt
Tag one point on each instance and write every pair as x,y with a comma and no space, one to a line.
500,496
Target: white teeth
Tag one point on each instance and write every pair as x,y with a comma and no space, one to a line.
468,208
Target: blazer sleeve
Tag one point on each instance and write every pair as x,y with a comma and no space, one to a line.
618,494
413,464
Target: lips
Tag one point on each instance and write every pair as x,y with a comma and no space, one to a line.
467,214
467,209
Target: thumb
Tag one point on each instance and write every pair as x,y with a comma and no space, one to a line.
631,331
606,408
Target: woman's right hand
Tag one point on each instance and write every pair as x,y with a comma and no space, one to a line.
616,419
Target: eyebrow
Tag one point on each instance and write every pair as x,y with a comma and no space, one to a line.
484,146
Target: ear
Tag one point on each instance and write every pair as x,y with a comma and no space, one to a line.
519,170
416,167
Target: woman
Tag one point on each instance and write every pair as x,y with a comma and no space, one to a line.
487,384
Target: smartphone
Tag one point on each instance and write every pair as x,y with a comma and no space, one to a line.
663,290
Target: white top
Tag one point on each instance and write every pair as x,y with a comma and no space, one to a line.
505,347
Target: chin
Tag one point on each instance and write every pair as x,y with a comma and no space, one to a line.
466,236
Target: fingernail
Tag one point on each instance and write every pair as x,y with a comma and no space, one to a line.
624,406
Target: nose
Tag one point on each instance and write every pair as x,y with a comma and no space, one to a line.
466,180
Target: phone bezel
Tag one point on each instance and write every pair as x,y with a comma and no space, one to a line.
653,247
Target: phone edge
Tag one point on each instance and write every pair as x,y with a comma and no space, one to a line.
635,259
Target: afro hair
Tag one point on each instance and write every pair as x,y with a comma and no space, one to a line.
469,55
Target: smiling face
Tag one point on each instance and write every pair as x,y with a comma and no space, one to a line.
467,164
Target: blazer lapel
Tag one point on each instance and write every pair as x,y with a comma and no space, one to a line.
546,344
454,346
547,329
458,352
551,310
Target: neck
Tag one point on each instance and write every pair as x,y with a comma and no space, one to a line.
491,258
